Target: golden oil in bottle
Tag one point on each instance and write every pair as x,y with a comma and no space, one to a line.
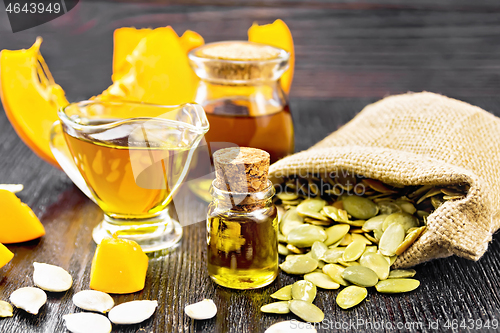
242,224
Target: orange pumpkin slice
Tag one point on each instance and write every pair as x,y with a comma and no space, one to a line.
127,39
30,97
276,34
18,223
119,267
5,255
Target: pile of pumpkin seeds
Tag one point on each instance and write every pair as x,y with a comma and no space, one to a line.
345,230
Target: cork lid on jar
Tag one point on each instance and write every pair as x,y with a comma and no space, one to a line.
238,62
241,169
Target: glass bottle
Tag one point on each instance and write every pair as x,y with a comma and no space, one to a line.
242,226
241,93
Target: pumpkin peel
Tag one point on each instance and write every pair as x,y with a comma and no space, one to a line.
18,223
30,97
119,266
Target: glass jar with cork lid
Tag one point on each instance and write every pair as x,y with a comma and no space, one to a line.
242,96
242,223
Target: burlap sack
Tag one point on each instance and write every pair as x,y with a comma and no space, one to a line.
419,139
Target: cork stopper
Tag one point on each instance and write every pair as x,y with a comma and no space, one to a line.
243,51
241,169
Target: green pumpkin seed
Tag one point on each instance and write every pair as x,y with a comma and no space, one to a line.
304,290
318,249
354,250
391,239
276,307
332,256
306,311
402,273
311,208
406,220
351,296
287,196
410,238
284,294
305,235
359,207
321,280
336,233
283,250
392,286
374,222
299,264
335,272
346,240
290,221
377,263
360,276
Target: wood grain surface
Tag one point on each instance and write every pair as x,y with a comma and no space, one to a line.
349,54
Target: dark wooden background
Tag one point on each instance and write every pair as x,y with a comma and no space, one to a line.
349,54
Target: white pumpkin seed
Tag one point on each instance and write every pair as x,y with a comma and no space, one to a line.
276,307
284,294
304,290
290,326
85,322
133,312
306,311
30,299
391,239
299,264
321,280
332,256
5,309
290,221
51,277
205,309
14,188
318,249
93,300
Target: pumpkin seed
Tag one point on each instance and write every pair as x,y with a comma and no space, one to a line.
351,296
51,278
406,220
420,191
287,196
281,238
305,235
370,249
391,239
317,222
332,256
391,286
306,311
371,238
402,273
360,276
346,240
133,312
87,322
432,192
377,186
354,250
409,239
14,188
299,264
290,325
290,221
304,290
318,249
374,222
388,207
377,263
348,263
359,237
283,250
276,307
93,300
293,249
359,207
321,280
202,310
284,294
406,206
5,309
336,233
333,213
356,230
311,208
335,273
29,299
